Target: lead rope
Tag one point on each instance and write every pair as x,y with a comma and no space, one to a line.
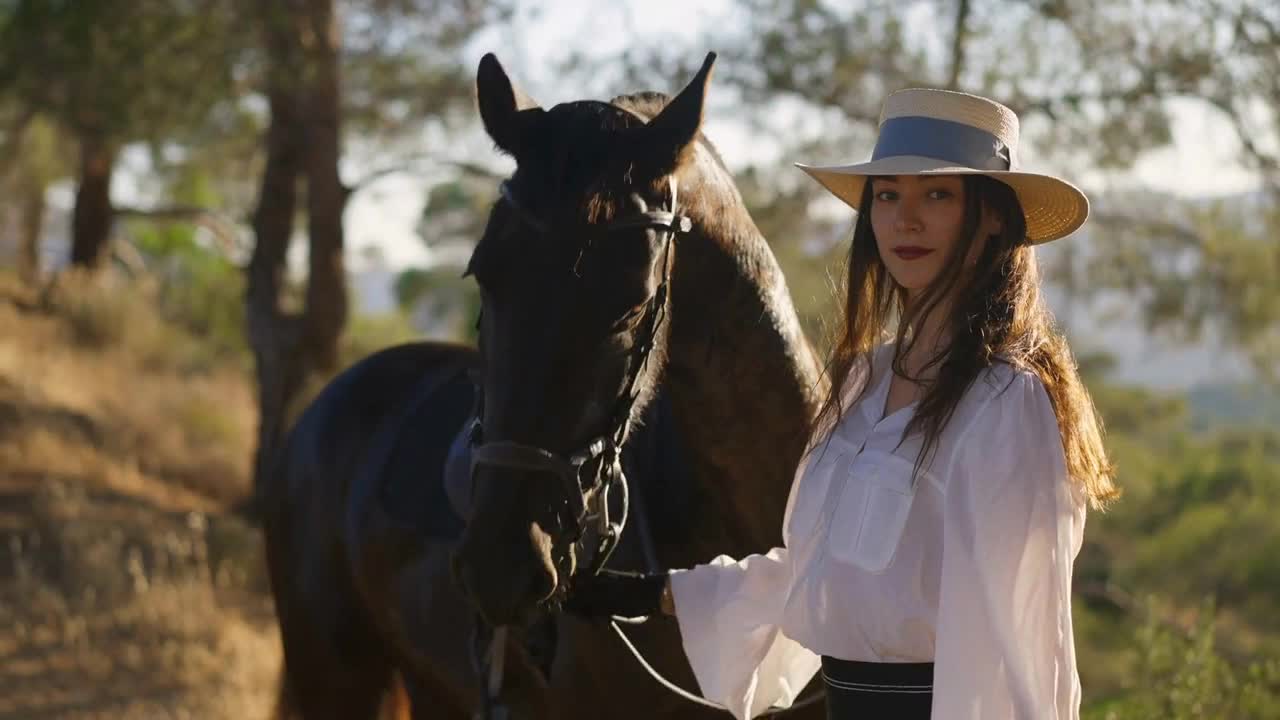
676,689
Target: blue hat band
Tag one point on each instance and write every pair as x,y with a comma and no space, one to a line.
953,142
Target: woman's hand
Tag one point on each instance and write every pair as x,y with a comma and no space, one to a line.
614,593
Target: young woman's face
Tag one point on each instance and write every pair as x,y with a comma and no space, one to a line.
917,221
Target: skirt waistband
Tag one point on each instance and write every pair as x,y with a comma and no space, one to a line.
873,677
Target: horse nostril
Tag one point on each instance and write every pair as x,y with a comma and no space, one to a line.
500,597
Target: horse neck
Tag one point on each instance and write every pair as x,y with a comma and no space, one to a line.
744,379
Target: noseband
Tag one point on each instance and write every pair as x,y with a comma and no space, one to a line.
586,492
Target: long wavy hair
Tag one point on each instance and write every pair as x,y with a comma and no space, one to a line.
995,309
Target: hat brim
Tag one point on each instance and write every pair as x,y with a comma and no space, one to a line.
1053,208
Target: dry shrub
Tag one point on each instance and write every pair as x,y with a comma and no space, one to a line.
124,589
100,309
94,392
116,610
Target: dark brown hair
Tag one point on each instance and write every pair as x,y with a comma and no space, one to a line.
995,309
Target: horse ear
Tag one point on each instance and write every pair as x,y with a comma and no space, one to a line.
669,136
504,109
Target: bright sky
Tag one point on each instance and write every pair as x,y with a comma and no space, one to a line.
1200,163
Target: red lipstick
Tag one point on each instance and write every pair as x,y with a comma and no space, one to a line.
911,252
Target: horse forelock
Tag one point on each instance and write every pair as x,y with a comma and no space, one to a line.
578,167
589,137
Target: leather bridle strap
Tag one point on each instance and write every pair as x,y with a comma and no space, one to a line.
668,219
535,459
606,447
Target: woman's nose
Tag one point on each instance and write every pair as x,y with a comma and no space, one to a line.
908,219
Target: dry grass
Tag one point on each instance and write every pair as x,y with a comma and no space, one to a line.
128,590
125,410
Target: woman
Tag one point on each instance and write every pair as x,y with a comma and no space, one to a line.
932,526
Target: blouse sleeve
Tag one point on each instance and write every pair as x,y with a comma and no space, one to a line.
1012,526
729,612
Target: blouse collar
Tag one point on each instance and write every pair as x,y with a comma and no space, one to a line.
866,419
872,405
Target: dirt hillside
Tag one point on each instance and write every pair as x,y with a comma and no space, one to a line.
127,588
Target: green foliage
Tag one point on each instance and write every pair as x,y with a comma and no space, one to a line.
199,288
367,334
401,66
37,155
115,69
1197,519
1206,507
111,314
1139,412
440,296
1182,676
1193,273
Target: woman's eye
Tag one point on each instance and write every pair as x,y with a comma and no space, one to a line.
886,195
939,194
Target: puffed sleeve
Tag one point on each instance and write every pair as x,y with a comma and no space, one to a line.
1012,526
729,611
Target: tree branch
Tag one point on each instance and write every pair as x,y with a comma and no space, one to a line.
408,167
1268,165
373,177
223,228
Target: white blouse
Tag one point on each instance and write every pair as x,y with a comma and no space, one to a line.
969,567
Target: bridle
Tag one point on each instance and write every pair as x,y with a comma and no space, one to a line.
586,493
589,475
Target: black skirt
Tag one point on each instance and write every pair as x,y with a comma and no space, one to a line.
869,691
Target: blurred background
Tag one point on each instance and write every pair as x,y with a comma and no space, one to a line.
208,207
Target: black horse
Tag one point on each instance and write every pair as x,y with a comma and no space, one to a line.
634,322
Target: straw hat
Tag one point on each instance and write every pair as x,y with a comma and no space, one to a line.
940,132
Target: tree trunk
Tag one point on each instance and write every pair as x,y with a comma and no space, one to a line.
91,220
304,95
272,333
326,304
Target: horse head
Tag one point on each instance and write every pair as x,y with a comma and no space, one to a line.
574,268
